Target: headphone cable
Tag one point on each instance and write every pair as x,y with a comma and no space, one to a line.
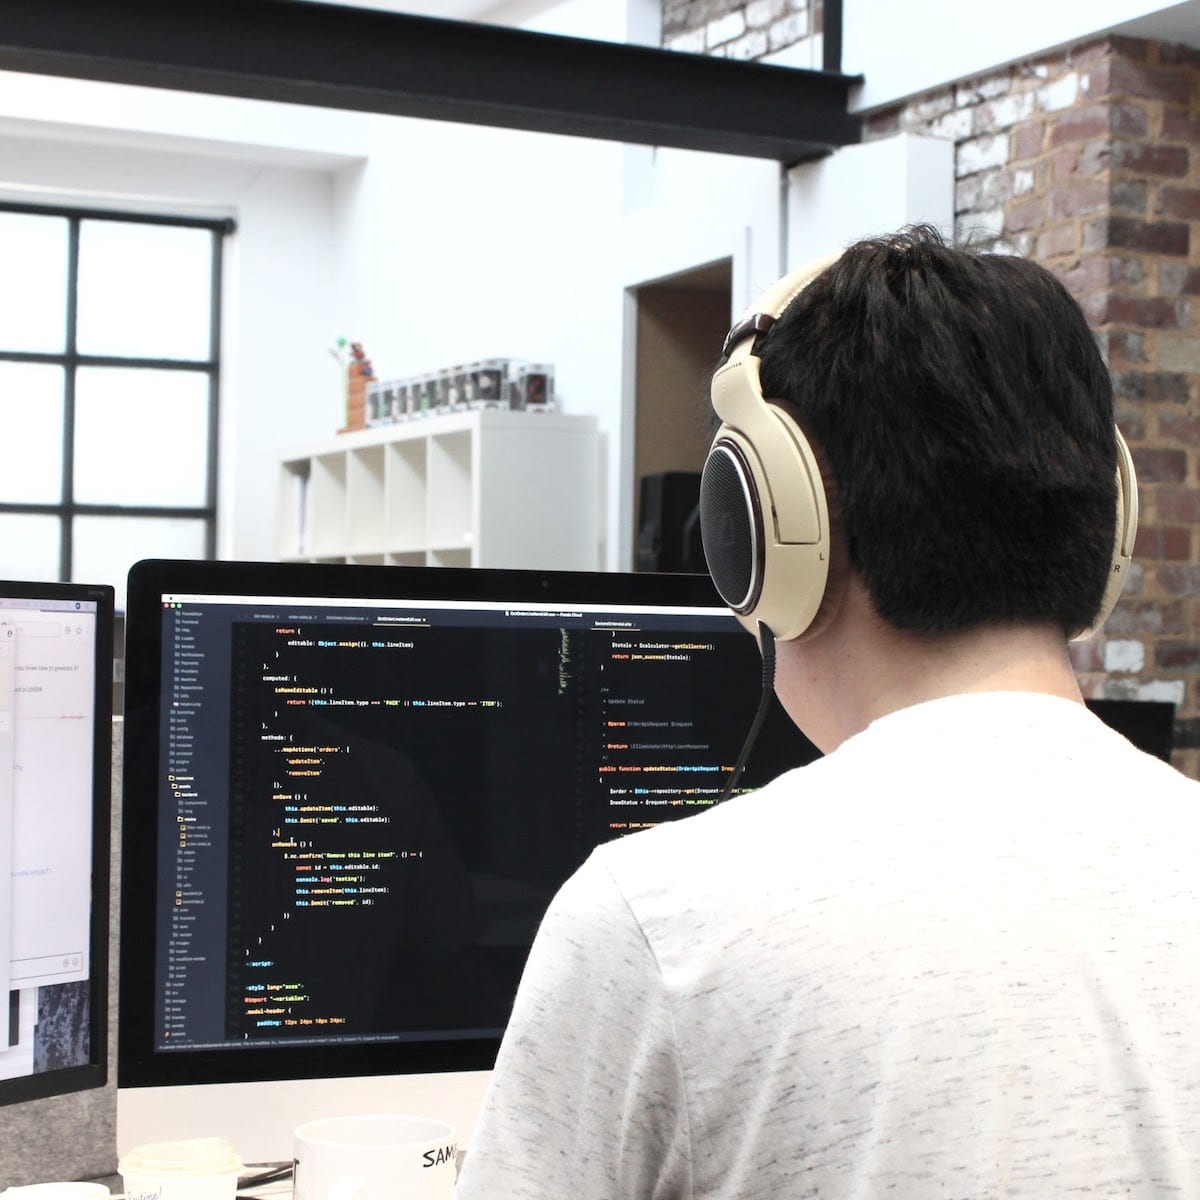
766,641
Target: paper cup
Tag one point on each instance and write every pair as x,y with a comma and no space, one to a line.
196,1169
375,1158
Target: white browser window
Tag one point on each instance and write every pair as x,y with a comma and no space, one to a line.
7,789
51,663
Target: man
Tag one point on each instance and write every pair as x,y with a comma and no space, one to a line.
959,955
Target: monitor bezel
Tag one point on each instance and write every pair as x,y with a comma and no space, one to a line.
94,1074
139,1064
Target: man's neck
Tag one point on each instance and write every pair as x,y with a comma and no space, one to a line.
860,668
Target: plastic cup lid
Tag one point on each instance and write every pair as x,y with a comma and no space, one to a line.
195,1156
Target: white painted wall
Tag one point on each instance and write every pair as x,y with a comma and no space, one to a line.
905,48
868,189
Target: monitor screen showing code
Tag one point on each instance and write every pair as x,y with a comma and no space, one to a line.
365,807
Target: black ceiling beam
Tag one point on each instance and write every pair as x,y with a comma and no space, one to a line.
367,60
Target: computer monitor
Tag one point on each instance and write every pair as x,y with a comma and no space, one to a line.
56,683
350,793
1148,724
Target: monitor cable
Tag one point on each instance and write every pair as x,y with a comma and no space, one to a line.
766,642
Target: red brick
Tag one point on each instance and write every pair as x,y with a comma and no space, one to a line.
1086,274
1153,387
1079,125
1149,312
1177,656
1147,617
1173,542
1097,83
1148,82
996,187
1177,544
1178,580
1181,427
1127,47
1148,158
1065,163
1160,465
1028,140
1089,52
1128,120
1126,269
1077,199
1056,241
1179,279
1123,346
1129,196
1025,214
1154,237
1178,505
1179,202
1175,54
1180,124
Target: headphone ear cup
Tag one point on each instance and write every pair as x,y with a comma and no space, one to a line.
731,528
763,516
765,526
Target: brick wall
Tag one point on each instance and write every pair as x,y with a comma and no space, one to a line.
1089,161
746,29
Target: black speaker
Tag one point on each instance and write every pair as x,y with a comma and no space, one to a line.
668,532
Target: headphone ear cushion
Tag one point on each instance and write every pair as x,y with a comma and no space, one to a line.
731,525
765,527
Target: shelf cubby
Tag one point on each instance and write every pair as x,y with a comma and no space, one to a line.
489,488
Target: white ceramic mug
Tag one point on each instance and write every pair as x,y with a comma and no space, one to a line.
375,1158
194,1169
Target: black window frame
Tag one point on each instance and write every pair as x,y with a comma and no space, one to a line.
71,360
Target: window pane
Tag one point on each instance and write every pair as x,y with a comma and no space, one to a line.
29,544
144,290
33,283
104,548
31,414
141,436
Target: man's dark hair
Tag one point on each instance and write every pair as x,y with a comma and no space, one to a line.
967,417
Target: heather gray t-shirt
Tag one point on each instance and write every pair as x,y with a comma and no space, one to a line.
959,957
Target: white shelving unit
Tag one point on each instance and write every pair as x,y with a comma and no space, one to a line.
492,488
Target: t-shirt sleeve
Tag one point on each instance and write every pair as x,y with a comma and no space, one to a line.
587,1098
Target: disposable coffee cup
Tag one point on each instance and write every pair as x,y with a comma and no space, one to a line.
195,1169
57,1191
375,1158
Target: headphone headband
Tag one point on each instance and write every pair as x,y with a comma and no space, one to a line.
761,496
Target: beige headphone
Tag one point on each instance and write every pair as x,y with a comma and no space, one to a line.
764,517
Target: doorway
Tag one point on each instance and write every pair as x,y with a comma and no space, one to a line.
681,323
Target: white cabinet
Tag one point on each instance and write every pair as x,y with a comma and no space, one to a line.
492,488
